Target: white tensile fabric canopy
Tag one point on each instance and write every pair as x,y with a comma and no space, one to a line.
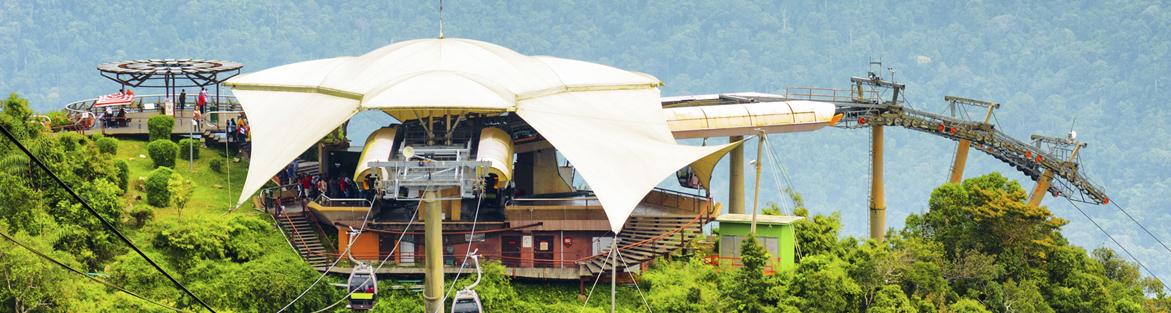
608,122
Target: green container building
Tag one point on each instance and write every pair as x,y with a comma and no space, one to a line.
775,232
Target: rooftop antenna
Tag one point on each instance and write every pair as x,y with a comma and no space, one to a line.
440,19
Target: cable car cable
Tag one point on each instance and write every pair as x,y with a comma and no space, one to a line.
636,283
396,245
464,263
596,279
99,216
339,258
1140,264
1143,227
71,269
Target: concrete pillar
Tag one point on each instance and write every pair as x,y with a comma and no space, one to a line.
433,227
957,168
1042,188
736,177
877,194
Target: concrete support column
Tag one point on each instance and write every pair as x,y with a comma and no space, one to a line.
433,227
877,194
736,177
1042,188
957,169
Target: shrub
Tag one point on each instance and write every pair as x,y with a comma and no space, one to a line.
217,165
141,214
59,118
157,192
123,174
188,149
70,140
162,152
96,136
107,145
160,127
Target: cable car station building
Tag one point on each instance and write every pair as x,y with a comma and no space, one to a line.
534,161
542,163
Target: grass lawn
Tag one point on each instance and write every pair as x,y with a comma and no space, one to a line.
212,193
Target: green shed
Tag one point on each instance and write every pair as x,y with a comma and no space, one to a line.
775,232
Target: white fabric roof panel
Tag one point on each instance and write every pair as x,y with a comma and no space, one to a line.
608,122
618,141
285,124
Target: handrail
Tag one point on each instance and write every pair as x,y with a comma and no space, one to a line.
317,225
717,260
298,233
78,107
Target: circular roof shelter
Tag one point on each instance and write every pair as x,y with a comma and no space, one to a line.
170,73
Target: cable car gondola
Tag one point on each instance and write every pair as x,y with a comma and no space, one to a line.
363,288
466,300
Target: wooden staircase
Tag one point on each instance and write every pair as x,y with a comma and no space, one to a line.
643,228
304,239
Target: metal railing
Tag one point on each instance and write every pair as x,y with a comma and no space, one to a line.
222,102
715,260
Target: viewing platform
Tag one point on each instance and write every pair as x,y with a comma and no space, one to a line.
89,119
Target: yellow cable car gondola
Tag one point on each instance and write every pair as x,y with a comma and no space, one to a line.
363,288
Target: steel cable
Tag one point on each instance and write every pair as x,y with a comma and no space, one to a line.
47,257
1140,264
93,212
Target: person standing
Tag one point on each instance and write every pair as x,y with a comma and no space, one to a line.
182,101
231,130
201,101
196,117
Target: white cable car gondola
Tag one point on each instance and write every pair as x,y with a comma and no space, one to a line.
466,300
363,288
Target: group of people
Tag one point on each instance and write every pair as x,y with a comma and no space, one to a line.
200,102
238,129
311,186
109,119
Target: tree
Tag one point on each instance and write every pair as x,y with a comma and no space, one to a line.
180,190
891,299
30,283
749,287
822,284
988,214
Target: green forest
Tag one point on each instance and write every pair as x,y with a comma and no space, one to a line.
1097,67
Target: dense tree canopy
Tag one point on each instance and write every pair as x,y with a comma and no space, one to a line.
953,258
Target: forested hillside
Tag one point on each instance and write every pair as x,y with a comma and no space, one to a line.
1101,63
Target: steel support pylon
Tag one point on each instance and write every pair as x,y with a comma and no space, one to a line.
877,194
433,226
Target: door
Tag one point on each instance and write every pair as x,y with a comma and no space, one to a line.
510,250
601,244
543,250
407,250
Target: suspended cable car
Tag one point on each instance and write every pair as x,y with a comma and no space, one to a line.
466,300
363,288
687,178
